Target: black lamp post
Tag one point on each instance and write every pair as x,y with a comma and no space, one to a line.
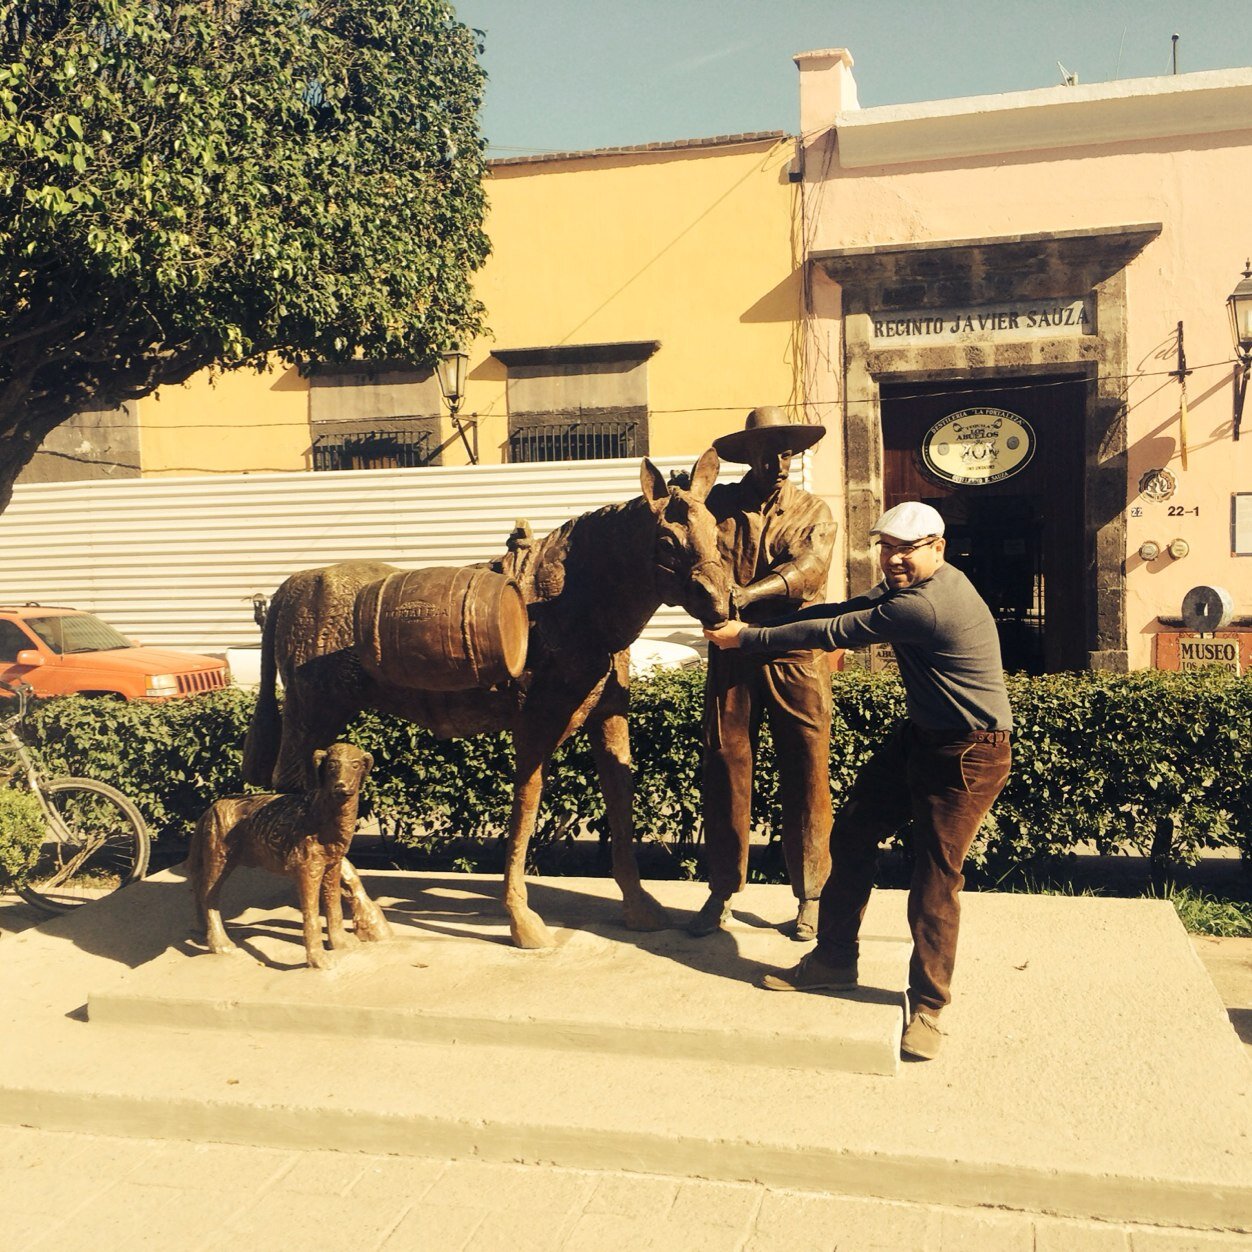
1239,306
450,370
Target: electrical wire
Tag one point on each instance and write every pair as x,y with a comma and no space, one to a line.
971,387
951,391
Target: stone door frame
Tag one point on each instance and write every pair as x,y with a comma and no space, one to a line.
991,271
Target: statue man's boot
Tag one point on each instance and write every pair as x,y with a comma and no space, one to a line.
805,930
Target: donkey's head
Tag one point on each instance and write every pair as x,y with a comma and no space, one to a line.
689,571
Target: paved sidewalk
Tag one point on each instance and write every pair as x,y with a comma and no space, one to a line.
91,1192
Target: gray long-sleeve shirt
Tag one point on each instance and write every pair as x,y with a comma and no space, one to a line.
944,639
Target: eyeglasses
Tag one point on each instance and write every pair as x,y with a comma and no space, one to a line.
904,549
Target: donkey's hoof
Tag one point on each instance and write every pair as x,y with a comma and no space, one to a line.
371,927
528,930
642,912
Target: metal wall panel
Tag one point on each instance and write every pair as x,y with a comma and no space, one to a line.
175,561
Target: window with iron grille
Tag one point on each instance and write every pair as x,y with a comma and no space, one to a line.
577,441
578,402
373,449
373,415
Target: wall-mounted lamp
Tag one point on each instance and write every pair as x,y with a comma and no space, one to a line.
1239,306
450,369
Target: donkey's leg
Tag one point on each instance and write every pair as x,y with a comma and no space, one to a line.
533,745
368,922
313,717
610,746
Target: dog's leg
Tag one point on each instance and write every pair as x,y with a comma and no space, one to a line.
308,882
215,869
332,907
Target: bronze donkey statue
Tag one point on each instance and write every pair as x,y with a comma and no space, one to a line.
590,587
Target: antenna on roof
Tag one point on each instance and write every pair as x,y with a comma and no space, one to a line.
1067,79
1174,40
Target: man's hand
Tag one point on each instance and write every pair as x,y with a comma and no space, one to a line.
725,635
771,587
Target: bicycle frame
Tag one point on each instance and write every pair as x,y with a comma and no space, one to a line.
11,746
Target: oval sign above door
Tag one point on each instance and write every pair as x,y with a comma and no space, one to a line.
976,447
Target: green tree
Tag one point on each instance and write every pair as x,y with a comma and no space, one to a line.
220,182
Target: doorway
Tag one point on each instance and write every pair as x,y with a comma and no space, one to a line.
1019,536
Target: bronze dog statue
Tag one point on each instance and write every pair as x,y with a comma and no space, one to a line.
304,836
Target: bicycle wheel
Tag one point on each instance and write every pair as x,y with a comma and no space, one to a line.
95,843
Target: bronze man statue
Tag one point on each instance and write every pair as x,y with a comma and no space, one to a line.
941,770
776,540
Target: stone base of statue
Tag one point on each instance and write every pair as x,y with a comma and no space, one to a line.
1089,1067
451,974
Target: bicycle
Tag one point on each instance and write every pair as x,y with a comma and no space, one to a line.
95,840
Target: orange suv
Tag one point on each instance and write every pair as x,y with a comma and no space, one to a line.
61,651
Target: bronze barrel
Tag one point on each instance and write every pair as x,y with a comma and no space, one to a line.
442,629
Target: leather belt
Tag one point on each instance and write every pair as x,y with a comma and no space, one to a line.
954,736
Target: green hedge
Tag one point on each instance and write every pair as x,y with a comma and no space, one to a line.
21,831
1112,761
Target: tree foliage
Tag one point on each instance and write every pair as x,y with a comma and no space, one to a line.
212,182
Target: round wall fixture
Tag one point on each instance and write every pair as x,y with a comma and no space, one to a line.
1157,484
1206,609
976,447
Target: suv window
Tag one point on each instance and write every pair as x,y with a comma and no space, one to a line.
12,640
77,632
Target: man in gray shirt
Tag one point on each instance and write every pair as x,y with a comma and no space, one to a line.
942,768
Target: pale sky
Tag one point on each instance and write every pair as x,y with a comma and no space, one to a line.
572,74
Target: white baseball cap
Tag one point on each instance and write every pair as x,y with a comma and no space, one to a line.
910,522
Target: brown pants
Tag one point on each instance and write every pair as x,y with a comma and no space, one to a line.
793,692
946,783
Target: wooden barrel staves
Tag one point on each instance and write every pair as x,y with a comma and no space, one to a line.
442,629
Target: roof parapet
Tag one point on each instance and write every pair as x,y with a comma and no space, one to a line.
826,87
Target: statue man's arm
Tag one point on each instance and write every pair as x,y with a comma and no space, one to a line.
802,565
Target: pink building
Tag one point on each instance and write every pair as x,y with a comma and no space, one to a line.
1001,292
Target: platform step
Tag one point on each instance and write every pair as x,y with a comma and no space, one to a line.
1089,1069
450,975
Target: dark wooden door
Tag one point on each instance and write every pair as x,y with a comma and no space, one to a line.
1020,540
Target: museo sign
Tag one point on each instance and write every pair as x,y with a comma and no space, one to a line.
977,447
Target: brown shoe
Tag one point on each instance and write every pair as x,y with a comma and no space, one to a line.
805,930
812,974
714,915
921,1038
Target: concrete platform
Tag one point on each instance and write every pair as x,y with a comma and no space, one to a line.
451,974
1090,1069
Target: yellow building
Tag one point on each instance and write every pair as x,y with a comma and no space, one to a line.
640,301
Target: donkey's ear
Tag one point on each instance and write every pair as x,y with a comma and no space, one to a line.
368,762
318,757
655,491
705,474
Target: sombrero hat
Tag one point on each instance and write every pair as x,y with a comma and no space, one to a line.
766,427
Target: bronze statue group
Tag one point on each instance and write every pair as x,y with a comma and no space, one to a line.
749,559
